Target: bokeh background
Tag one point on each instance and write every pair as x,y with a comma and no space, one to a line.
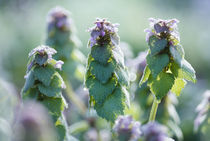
23,27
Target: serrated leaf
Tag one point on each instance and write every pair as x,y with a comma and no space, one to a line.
157,45
185,71
161,86
157,63
113,106
101,53
102,72
44,74
177,53
29,81
39,59
115,39
188,72
179,84
55,87
32,93
122,76
54,105
118,56
145,75
101,91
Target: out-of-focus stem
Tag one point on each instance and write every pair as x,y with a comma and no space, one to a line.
154,110
74,98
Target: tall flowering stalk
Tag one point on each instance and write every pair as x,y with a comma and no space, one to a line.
107,78
44,84
61,36
166,67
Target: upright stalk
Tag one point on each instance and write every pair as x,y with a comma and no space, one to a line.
154,110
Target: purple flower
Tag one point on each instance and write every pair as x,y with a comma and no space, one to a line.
104,28
126,126
159,26
153,131
59,64
203,108
41,55
58,18
43,50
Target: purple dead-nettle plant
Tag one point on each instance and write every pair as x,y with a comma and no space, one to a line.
107,78
58,17
166,69
153,131
103,29
203,110
127,129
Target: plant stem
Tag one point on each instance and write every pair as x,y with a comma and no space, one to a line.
154,110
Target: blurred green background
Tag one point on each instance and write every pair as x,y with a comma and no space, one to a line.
23,27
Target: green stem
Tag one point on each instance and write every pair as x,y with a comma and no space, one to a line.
154,110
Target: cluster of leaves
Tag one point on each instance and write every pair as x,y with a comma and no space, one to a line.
107,78
44,84
61,36
166,67
167,114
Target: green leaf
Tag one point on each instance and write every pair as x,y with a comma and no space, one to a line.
157,45
102,72
188,72
113,106
145,75
54,105
54,90
32,93
29,80
185,71
161,86
44,74
118,56
157,63
179,84
122,76
101,91
177,53
39,59
101,53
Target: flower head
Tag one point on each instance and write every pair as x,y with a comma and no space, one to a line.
159,26
155,132
105,30
59,64
126,126
42,50
58,18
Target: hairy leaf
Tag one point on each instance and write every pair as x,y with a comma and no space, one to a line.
44,74
157,63
145,75
54,89
157,45
161,86
101,91
179,84
29,81
113,106
102,72
177,53
101,53
122,76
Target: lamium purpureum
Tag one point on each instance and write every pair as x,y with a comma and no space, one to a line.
166,67
62,37
44,84
107,78
127,129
